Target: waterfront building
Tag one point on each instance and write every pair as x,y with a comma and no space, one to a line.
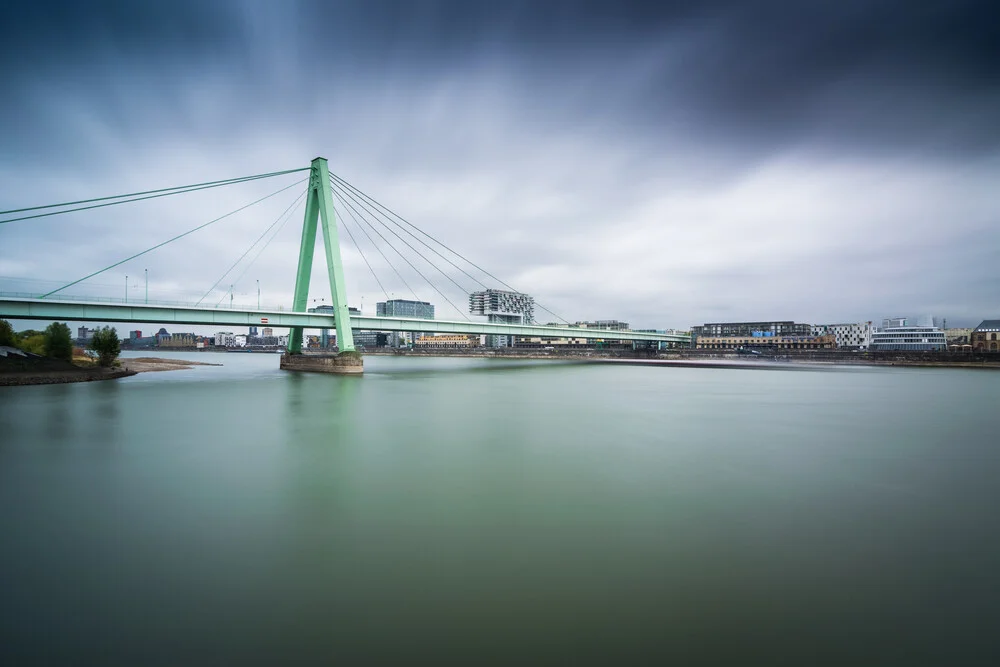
774,328
807,342
900,334
224,339
502,307
986,337
179,340
447,341
959,337
267,332
83,334
856,336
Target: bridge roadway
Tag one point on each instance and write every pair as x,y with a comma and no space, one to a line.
26,308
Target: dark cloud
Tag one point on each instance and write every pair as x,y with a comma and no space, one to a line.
606,156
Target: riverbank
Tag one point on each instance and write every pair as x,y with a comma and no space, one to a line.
16,371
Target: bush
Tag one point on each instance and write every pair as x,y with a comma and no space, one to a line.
58,342
32,342
7,336
106,344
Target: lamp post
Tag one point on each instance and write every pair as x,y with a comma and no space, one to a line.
258,294
147,284
126,288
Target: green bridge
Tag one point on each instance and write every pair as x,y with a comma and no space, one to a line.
321,216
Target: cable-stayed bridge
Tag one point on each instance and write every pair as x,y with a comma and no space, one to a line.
327,199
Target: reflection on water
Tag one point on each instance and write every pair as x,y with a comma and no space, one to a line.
507,509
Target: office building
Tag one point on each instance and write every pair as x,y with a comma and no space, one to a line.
856,336
405,308
900,334
772,328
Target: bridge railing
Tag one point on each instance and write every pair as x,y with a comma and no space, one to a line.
138,302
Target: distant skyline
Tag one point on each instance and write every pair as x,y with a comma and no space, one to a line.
666,164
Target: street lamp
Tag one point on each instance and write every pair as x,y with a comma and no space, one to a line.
126,288
147,284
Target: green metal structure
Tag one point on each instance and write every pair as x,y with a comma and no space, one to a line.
319,207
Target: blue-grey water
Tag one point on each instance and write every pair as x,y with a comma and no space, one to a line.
489,510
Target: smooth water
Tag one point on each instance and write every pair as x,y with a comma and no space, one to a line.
501,510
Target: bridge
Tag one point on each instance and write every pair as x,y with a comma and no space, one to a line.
321,214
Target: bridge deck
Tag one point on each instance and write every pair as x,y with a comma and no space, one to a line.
93,311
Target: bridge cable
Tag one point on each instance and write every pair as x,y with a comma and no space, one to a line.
414,236
171,240
252,245
375,245
419,254
426,279
360,251
454,252
166,192
261,250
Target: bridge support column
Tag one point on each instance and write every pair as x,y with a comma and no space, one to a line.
319,211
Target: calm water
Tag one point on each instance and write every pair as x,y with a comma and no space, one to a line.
501,510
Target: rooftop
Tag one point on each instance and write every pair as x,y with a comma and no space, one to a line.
989,325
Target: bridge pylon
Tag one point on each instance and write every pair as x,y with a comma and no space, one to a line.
319,208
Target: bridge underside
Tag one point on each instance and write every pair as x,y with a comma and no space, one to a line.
83,311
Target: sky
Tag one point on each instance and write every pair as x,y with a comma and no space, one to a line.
666,164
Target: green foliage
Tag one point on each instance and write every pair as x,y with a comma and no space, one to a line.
32,342
7,336
58,342
105,342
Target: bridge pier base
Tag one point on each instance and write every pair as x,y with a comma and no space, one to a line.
345,363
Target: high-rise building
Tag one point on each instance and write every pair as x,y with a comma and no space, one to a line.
502,307
405,308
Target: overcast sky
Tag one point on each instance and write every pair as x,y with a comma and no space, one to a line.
667,164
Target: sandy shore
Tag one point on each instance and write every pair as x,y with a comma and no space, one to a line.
154,364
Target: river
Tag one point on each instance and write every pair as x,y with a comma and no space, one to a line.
507,510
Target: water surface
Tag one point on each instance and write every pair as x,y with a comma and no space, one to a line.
500,509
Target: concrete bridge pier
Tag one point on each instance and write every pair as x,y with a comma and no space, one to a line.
345,363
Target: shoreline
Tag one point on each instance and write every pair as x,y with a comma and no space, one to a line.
127,368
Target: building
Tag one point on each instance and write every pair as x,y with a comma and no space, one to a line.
986,337
856,336
775,328
225,339
608,325
959,338
900,334
179,340
405,308
267,332
502,307
447,341
824,342
161,336
83,334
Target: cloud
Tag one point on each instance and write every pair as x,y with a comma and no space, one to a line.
663,163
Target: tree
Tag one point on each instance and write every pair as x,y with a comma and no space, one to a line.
32,342
105,342
58,342
7,336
